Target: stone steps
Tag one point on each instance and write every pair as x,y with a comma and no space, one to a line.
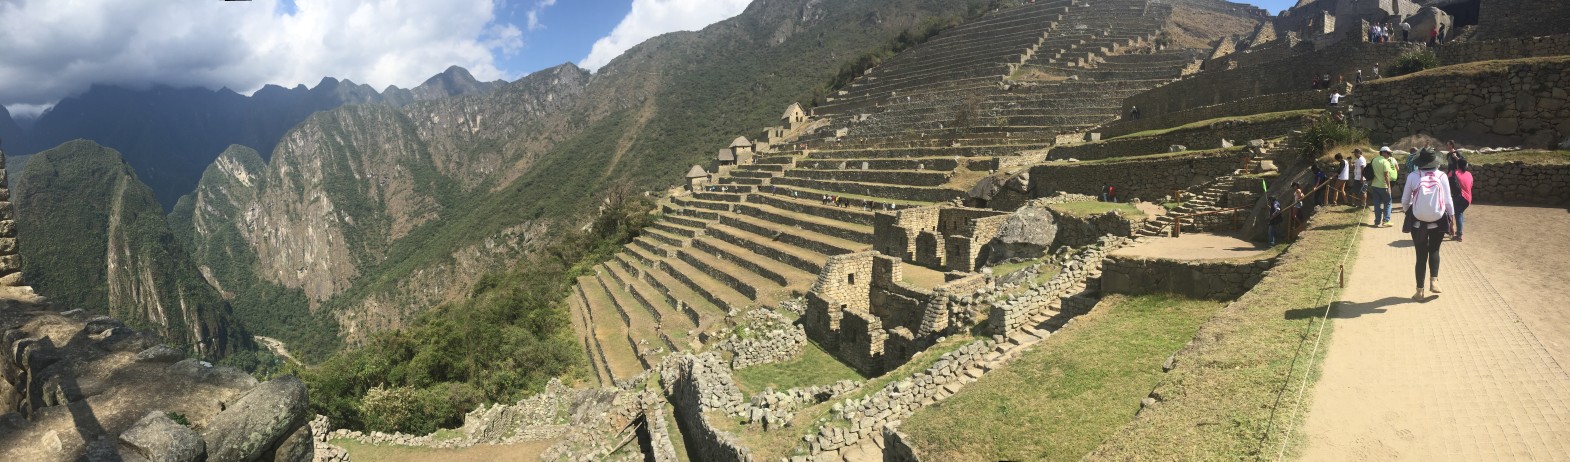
892,177
724,272
640,325
706,287
670,226
791,220
808,240
781,273
901,193
801,258
664,237
659,304
698,309
591,344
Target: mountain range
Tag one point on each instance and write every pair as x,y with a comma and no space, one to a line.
374,207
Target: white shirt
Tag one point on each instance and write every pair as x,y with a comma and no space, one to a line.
1406,27
1335,98
1346,171
1358,163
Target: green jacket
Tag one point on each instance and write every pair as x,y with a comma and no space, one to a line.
1384,170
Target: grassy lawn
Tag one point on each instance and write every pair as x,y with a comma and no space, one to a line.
1233,394
1079,387
1530,157
813,367
1088,208
1006,269
1269,116
527,451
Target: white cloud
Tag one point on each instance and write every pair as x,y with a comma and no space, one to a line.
650,18
53,49
534,13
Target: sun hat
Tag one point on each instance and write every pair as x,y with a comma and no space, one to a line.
1384,149
1426,160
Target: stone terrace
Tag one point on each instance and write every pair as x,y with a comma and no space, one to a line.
762,231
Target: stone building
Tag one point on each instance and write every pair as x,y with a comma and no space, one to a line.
697,177
1338,18
725,157
794,117
939,237
862,312
741,148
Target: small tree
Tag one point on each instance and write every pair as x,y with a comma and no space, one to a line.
1324,134
1414,61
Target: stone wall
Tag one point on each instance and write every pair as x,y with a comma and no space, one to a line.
1518,183
1080,230
1522,18
937,236
896,448
1516,102
1010,314
1290,74
1205,137
1145,178
1289,101
772,339
699,384
10,262
1506,48
1204,279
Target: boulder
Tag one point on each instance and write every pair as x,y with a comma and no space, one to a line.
257,422
1028,233
299,446
160,354
158,438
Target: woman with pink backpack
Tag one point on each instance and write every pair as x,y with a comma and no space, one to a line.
1430,214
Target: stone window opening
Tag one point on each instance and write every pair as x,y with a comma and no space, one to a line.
850,279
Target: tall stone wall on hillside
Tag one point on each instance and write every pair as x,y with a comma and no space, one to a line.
1198,138
1522,18
1146,179
1290,74
1506,48
695,385
1518,183
1306,99
1520,102
10,262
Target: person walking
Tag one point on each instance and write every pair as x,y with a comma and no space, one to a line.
1460,192
1406,31
1299,215
1360,177
1430,215
1274,222
1384,172
1343,176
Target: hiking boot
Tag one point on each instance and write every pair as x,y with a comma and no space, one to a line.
1419,295
1433,285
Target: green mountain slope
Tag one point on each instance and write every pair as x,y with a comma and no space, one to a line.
96,239
376,214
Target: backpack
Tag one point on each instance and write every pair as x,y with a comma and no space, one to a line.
1368,171
1430,196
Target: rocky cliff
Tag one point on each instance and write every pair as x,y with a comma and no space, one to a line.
97,240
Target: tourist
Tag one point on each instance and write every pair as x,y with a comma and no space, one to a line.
1275,221
1106,192
1299,212
1439,37
1460,192
1384,169
1343,176
1373,33
1359,77
1133,113
1335,99
1359,177
1433,37
1429,215
1319,179
1376,71
1406,31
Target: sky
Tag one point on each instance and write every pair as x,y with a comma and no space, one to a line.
52,49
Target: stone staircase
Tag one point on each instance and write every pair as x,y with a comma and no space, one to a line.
1203,198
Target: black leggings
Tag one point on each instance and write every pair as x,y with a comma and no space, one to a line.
1426,241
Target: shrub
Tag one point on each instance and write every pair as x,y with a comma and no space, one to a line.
1325,134
1414,61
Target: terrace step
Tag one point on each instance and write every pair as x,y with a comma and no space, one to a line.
610,330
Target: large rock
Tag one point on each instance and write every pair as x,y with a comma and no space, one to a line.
157,438
257,422
298,447
1028,233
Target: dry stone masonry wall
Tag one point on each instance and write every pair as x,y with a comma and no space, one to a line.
1505,103
1212,280
1012,314
1207,137
10,262
1519,183
1141,178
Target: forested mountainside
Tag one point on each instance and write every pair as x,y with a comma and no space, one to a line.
97,240
370,214
170,135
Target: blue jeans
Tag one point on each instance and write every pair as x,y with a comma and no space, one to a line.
1270,230
1381,199
1460,223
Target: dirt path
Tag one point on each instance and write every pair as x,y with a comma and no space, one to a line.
1460,376
277,347
1525,253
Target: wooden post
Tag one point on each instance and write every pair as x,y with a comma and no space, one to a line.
1177,225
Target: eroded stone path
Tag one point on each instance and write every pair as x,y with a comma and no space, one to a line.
1457,377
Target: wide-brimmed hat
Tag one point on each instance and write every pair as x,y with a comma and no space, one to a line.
1384,150
1426,159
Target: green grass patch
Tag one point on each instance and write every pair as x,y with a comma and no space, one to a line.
1266,117
1006,269
1085,384
1530,157
1088,208
1233,394
813,367
1163,155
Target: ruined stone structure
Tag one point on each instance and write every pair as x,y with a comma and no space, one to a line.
1343,17
862,311
1509,103
940,237
10,261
